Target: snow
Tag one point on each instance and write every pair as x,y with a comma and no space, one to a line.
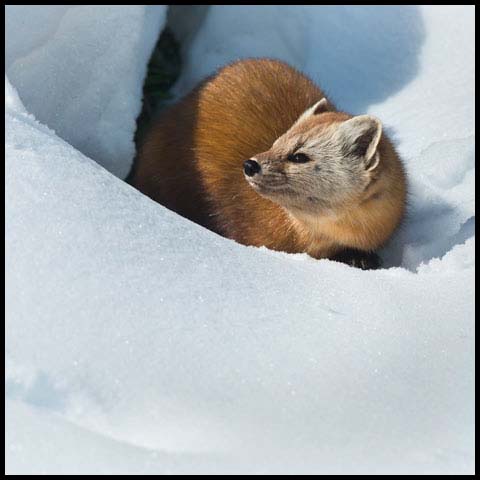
79,69
139,342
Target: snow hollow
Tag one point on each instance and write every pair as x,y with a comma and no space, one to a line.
139,342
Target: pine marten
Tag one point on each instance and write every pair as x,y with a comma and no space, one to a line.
257,154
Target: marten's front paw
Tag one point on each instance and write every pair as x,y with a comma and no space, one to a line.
359,259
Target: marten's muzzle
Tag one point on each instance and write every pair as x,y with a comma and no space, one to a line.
251,167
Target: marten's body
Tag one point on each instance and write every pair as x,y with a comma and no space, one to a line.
325,183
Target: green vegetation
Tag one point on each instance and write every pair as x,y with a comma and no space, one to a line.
163,70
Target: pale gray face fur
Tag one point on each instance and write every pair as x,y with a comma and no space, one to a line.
341,153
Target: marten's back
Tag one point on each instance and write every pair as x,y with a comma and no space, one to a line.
192,159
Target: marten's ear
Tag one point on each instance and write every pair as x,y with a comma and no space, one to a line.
319,107
359,137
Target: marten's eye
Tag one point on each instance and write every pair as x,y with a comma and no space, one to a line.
298,158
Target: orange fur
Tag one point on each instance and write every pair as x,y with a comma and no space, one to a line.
192,162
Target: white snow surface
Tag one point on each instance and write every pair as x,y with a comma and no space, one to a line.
138,342
80,68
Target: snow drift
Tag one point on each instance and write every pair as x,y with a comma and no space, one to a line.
139,342
80,69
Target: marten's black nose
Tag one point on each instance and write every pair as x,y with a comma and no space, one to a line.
251,167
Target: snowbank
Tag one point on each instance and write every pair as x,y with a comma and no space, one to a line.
80,69
139,342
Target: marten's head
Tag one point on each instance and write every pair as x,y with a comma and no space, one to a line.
326,160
